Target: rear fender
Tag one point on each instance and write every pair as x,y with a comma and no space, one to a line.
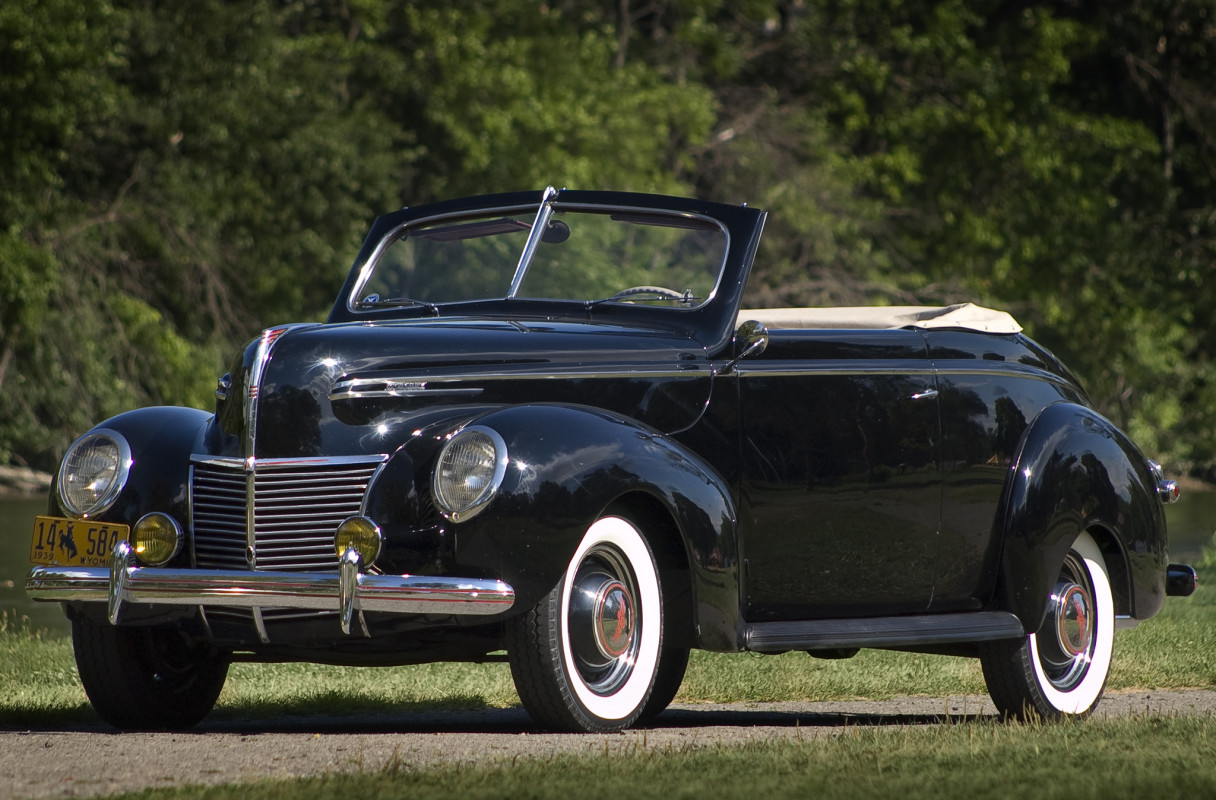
1076,472
567,465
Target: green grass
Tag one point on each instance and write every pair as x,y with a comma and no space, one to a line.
38,680
275,689
1108,759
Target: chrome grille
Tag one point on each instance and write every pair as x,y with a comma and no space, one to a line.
298,504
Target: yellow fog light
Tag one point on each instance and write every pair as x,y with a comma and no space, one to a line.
156,539
362,535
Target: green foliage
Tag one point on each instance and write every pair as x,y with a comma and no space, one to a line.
511,95
56,92
174,176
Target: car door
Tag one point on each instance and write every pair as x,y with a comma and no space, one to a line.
840,489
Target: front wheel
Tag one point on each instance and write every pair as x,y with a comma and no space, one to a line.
586,656
1061,669
147,678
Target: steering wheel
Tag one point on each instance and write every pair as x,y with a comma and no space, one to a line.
661,291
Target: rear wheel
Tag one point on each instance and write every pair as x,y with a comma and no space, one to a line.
586,656
147,678
1061,669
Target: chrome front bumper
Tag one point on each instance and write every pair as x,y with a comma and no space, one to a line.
347,590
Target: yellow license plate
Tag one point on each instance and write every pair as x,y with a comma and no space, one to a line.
74,542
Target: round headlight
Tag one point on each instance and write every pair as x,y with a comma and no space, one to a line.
156,538
469,471
93,472
361,534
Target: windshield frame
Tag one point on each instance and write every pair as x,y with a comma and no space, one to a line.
550,205
711,323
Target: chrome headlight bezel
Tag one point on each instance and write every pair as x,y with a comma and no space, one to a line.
80,499
474,454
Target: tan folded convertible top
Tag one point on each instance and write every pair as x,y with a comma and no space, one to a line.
962,315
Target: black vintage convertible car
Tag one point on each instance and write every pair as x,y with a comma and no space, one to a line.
540,423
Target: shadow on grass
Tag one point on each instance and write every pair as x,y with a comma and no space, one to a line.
470,714
333,712
341,704
727,717
81,717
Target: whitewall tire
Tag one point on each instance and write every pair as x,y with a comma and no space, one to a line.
1061,669
586,656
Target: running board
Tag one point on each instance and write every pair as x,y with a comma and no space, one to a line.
910,631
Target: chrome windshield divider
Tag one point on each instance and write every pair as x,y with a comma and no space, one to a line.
538,231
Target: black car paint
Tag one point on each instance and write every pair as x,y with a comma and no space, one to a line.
906,472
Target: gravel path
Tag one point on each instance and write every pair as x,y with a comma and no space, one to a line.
91,761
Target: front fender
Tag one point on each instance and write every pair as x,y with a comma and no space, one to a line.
162,439
1076,472
567,464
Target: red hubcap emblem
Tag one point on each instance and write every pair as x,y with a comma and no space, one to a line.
1074,621
614,619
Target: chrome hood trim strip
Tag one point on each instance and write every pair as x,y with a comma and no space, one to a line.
359,388
253,388
424,386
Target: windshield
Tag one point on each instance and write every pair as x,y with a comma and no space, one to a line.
590,255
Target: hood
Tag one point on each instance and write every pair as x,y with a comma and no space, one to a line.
360,388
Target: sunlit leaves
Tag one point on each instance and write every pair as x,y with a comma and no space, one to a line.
174,176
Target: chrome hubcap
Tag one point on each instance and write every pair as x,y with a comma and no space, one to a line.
1067,640
613,625
604,624
1074,618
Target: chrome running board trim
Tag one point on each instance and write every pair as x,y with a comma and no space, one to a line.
909,631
